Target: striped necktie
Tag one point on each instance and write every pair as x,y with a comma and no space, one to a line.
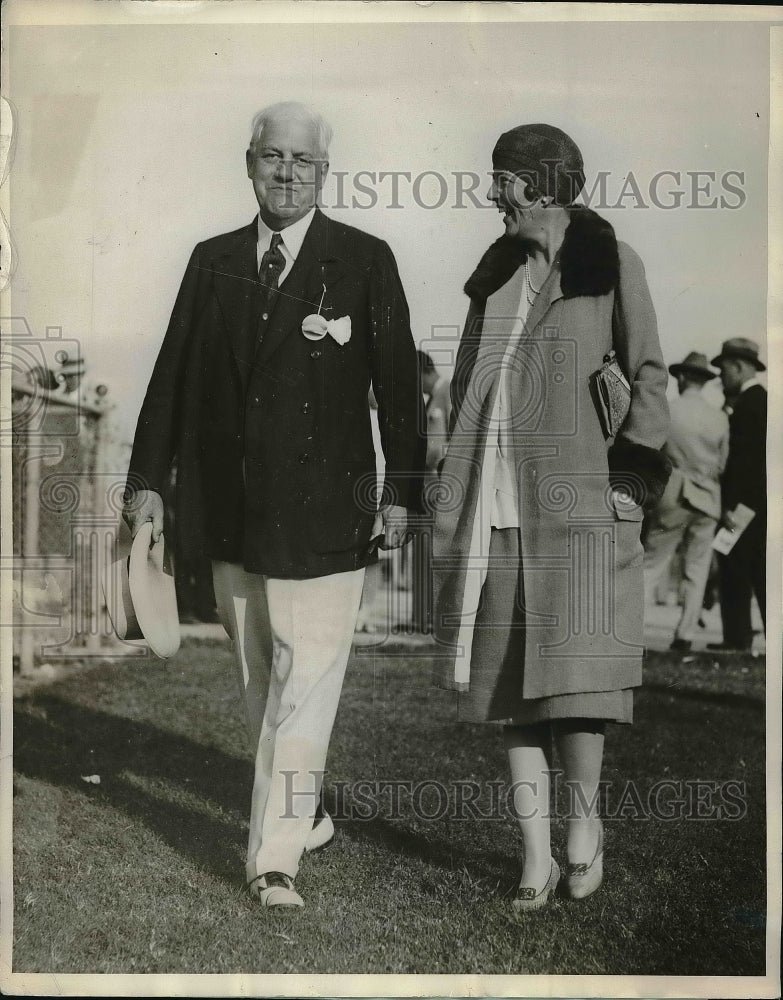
269,271
272,265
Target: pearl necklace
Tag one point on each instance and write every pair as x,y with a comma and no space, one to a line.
529,285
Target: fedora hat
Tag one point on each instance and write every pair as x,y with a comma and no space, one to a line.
693,364
742,349
140,595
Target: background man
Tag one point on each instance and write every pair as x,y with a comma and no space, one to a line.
687,513
438,409
260,392
743,570
435,388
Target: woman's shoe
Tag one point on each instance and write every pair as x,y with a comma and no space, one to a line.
582,880
527,898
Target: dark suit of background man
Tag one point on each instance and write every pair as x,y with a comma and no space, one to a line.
743,570
275,460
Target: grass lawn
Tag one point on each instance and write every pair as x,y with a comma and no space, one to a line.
144,872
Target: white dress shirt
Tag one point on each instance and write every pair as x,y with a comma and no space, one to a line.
750,382
292,236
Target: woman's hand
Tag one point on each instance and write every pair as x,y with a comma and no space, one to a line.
395,523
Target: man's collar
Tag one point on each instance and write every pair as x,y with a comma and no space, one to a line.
751,381
293,235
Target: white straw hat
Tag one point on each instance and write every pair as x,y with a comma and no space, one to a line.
140,595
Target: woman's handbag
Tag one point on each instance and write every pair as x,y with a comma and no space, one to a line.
612,395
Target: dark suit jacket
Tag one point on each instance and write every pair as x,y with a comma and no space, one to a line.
272,436
745,476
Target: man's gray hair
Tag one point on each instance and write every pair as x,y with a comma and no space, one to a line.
297,111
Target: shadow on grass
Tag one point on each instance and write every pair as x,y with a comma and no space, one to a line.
444,852
728,698
58,742
154,775
195,797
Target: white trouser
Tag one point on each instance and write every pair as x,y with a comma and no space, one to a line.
291,640
695,531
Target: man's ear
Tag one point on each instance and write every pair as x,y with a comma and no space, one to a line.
249,159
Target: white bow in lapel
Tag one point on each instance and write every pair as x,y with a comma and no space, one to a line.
315,326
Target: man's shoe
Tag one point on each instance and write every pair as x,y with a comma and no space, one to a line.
680,645
275,890
322,833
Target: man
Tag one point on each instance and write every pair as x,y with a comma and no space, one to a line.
743,570
438,412
687,514
438,409
260,392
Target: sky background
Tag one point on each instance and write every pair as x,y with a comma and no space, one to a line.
131,142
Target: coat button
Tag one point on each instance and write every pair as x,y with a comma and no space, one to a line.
265,316
304,457
315,355
305,407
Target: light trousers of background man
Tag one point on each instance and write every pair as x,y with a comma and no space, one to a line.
696,530
292,640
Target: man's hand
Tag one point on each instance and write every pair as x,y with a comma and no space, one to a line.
143,506
395,523
727,520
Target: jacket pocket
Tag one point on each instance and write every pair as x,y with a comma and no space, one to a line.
345,508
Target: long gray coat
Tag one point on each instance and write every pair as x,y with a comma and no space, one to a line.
581,551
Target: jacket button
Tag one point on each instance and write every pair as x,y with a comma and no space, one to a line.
304,457
305,407
265,316
315,355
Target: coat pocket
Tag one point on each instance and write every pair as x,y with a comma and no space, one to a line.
346,508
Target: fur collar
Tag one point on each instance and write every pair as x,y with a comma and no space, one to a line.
588,259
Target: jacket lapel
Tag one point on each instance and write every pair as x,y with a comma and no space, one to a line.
300,294
550,292
237,289
504,302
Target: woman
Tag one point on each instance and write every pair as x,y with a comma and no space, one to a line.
537,553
